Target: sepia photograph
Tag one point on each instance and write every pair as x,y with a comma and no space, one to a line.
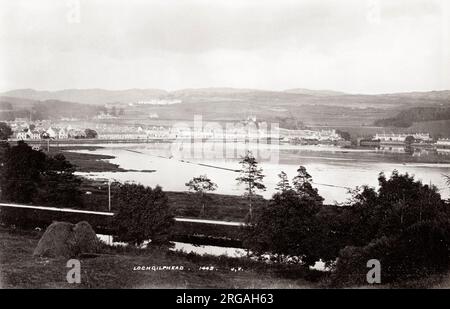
240,146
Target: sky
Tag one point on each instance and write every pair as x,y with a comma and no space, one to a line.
356,46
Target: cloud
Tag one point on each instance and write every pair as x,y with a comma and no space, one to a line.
350,45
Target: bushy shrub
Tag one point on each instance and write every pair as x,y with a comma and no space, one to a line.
421,250
286,228
351,267
404,224
143,214
28,176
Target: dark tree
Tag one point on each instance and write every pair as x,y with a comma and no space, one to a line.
409,140
252,176
22,173
303,187
5,131
143,214
287,228
447,179
405,225
91,133
4,147
283,185
344,134
407,117
403,201
59,187
29,176
201,185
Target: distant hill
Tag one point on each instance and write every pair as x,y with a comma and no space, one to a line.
18,102
311,107
11,108
293,97
322,93
88,96
443,95
213,91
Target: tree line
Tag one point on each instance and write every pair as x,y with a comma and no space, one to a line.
31,177
406,118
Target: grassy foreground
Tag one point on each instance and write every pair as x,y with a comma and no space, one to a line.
114,269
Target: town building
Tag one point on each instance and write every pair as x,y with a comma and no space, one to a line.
401,137
51,133
443,143
62,134
310,135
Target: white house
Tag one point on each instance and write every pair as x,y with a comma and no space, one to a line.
35,135
390,137
422,137
443,143
62,134
22,135
51,133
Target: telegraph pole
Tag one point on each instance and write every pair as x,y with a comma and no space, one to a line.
109,194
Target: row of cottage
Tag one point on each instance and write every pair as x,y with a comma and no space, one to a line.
310,135
392,138
52,133
174,133
401,137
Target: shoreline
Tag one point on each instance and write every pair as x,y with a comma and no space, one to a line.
303,152
98,162
89,162
308,152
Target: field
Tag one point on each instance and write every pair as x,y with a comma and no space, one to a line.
114,269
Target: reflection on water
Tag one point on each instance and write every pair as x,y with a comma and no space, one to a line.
184,247
201,250
211,250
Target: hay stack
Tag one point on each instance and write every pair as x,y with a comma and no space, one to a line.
63,239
